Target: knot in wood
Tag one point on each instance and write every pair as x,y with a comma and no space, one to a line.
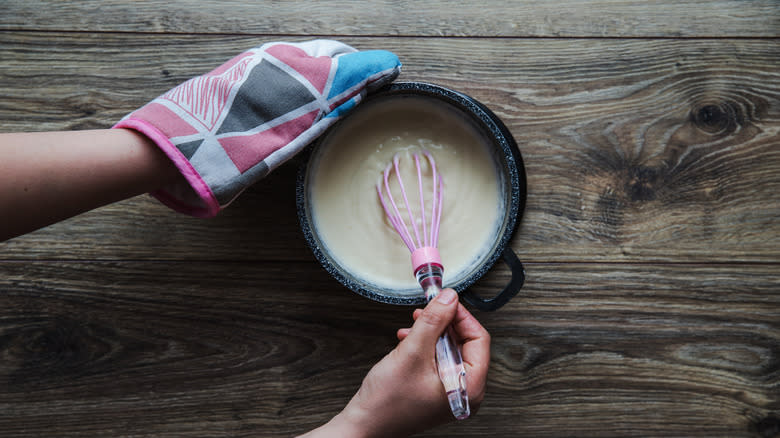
641,184
54,349
716,119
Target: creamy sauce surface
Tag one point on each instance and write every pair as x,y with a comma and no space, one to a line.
345,209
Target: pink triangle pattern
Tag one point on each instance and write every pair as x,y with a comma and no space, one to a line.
315,70
169,123
247,151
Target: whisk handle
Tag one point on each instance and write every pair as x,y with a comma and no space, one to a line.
449,361
452,374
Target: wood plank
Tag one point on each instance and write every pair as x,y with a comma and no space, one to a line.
568,18
636,150
241,349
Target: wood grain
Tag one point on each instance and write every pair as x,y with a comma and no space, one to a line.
171,349
650,133
638,150
569,18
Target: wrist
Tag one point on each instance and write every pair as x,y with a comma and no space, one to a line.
347,425
343,425
151,164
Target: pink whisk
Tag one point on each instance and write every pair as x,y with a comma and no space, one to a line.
422,242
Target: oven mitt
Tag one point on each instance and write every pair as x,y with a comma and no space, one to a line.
229,128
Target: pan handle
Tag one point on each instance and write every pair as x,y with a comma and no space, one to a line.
510,290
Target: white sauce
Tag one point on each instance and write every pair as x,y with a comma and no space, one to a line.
346,212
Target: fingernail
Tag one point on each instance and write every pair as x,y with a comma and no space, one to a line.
447,296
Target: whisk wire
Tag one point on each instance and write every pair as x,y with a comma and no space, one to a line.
436,204
396,220
430,232
426,237
415,228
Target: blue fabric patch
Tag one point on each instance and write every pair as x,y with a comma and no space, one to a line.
354,68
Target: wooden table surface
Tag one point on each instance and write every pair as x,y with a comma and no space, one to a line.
651,239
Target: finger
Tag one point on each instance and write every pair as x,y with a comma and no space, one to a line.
466,325
404,332
475,341
436,316
475,351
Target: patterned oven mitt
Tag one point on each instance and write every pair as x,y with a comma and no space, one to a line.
230,127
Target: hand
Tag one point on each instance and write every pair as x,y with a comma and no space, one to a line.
228,128
402,394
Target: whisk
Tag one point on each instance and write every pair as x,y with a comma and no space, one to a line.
422,242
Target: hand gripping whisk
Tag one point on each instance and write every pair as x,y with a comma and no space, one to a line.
428,268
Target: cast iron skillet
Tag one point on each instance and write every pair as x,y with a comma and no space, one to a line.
515,193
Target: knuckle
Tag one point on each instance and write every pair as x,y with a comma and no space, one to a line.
412,356
432,318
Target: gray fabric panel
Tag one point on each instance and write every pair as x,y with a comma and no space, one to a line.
267,93
233,187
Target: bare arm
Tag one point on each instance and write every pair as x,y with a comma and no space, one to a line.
46,177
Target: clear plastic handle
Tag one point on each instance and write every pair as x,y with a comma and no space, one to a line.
449,361
453,375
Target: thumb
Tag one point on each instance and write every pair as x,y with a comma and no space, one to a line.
435,318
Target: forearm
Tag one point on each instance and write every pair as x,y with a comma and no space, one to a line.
50,176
